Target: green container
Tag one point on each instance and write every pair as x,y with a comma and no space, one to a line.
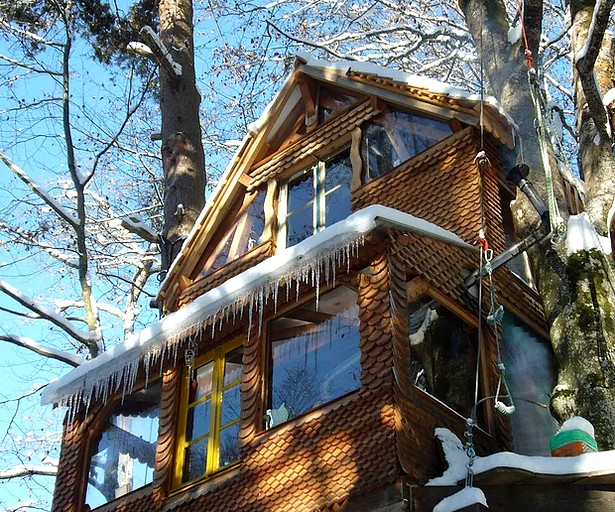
573,436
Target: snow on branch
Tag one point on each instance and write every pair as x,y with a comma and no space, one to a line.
134,224
20,64
22,470
585,61
42,350
30,35
23,176
47,314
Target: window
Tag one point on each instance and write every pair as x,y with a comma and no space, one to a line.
314,355
531,375
443,354
243,236
394,137
210,411
122,455
318,197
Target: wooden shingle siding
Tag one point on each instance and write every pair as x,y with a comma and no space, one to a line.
446,174
375,325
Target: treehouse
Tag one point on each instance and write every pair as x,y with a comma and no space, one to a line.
322,319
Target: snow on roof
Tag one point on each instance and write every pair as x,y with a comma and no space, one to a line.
116,369
581,465
418,81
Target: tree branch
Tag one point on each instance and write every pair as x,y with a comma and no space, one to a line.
41,350
22,470
23,176
45,313
585,61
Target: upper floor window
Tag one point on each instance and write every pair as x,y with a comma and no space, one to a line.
443,350
314,354
394,137
122,455
245,233
209,417
315,198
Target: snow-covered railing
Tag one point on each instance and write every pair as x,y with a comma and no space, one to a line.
116,369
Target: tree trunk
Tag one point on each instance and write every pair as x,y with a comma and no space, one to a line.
182,150
577,291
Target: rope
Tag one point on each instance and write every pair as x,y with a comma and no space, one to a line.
556,221
528,53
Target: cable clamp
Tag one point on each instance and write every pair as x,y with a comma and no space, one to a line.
481,158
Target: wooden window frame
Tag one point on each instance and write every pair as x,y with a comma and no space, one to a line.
419,287
217,356
267,359
318,171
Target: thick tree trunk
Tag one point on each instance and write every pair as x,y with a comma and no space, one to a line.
182,150
583,335
577,291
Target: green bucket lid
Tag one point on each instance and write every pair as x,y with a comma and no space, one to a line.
572,436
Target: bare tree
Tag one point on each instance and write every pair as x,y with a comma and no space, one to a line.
79,223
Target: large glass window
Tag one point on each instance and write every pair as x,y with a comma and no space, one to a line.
530,371
122,455
443,354
315,354
394,137
318,197
209,420
243,236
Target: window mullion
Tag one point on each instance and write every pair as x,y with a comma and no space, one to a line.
319,197
214,420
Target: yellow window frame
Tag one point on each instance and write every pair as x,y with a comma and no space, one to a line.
217,356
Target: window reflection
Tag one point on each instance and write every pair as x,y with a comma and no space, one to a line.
315,355
122,455
394,137
318,197
443,354
245,234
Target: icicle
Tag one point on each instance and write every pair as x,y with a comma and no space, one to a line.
275,296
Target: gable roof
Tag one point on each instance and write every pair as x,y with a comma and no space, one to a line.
411,91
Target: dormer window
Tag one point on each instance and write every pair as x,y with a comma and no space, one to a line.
316,197
395,137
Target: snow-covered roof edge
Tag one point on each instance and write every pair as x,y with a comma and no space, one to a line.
116,369
417,81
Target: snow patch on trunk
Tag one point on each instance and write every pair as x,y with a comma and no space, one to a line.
582,236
